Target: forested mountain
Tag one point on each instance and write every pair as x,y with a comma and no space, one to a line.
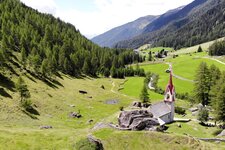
203,23
124,32
166,18
44,45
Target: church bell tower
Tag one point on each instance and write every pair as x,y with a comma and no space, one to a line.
169,98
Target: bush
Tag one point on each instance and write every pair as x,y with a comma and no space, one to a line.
203,115
26,104
180,110
199,49
121,108
85,144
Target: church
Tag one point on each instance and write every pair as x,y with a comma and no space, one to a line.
164,111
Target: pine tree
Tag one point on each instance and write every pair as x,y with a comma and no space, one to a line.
22,89
150,56
199,49
220,106
144,96
202,84
86,67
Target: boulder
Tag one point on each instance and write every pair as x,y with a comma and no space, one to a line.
193,109
146,105
137,120
136,104
222,133
75,115
97,142
45,127
200,106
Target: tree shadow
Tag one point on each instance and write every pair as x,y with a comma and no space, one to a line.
49,83
32,79
11,69
30,115
7,83
58,75
57,82
33,111
4,93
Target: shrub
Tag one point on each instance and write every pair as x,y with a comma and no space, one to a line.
85,144
180,110
26,104
121,108
203,115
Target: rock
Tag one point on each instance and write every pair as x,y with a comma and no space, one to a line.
137,120
72,105
90,121
146,105
112,102
193,109
179,125
82,92
45,127
136,104
217,142
75,115
97,142
200,106
222,133
195,113
103,87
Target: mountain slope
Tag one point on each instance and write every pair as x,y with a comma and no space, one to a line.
45,45
166,18
123,32
203,23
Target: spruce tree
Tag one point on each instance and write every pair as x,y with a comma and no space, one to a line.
150,56
144,96
220,106
199,49
202,84
22,89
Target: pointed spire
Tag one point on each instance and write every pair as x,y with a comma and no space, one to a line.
170,91
170,85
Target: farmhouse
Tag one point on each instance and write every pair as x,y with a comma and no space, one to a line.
164,111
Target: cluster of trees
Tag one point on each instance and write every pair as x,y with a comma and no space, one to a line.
217,48
47,45
149,77
210,89
125,72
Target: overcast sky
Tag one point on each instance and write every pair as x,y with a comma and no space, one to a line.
93,17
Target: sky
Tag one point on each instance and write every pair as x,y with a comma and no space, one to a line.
94,17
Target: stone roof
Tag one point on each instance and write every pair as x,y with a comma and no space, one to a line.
159,109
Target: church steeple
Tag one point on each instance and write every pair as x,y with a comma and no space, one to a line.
170,90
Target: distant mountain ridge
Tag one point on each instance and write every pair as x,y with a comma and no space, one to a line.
204,22
123,32
166,18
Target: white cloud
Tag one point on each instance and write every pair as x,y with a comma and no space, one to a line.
107,13
45,6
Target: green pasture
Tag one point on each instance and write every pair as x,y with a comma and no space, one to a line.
123,140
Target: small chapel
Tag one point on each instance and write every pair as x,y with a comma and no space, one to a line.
164,110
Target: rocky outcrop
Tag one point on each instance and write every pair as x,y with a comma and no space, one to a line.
137,120
140,105
97,142
222,133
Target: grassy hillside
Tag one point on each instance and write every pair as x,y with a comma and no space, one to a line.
124,140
